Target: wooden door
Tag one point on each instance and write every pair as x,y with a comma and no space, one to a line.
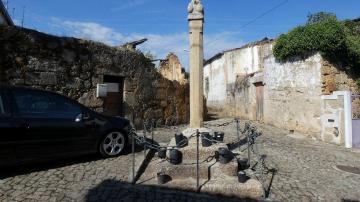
259,101
114,100
113,104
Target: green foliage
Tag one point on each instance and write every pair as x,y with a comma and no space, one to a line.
326,36
318,17
353,26
337,41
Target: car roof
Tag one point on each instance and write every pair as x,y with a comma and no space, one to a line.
13,87
8,86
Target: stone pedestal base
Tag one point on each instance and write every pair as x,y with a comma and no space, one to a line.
215,178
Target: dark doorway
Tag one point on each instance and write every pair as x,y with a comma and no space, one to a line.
259,101
113,103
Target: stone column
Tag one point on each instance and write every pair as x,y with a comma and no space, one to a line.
196,23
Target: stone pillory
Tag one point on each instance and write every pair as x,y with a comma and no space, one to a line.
196,24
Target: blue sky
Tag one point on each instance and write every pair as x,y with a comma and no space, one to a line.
164,22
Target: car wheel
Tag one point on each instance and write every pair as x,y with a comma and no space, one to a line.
112,144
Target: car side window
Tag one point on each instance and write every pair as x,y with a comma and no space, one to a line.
37,104
64,108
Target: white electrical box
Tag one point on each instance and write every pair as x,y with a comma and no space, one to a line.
101,90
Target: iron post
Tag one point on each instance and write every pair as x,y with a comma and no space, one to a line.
238,132
145,131
133,157
248,144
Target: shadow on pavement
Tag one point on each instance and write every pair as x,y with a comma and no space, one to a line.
112,190
43,165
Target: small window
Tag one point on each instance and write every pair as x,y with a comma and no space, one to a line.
37,104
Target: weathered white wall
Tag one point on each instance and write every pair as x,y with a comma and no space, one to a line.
292,94
223,71
215,72
292,90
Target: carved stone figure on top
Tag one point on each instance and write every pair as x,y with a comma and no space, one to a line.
195,9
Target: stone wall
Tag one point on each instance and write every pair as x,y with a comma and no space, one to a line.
223,75
74,67
292,95
249,83
334,79
172,69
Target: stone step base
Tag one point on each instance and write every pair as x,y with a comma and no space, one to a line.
207,170
228,186
189,152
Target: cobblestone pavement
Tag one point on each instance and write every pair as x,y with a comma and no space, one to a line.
305,172
305,167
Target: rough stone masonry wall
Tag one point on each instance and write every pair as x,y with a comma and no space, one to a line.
333,79
74,67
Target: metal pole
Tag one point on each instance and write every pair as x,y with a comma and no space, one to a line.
248,144
197,160
133,157
238,133
145,131
152,131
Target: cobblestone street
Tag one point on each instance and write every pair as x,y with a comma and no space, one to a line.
305,172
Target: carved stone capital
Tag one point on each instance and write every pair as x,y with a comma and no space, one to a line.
195,10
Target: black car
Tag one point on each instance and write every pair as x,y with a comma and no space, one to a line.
37,124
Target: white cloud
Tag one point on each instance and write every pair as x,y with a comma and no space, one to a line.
93,31
158,44
130,4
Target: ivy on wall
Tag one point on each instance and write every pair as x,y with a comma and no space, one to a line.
337,41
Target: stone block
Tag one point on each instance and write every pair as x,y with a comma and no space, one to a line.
163,103
231,187
229,169
68,56
328,70
48,78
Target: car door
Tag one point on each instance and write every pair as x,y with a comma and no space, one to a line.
52,125
8,131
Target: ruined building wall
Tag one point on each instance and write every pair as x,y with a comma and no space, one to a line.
172,69
74,67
